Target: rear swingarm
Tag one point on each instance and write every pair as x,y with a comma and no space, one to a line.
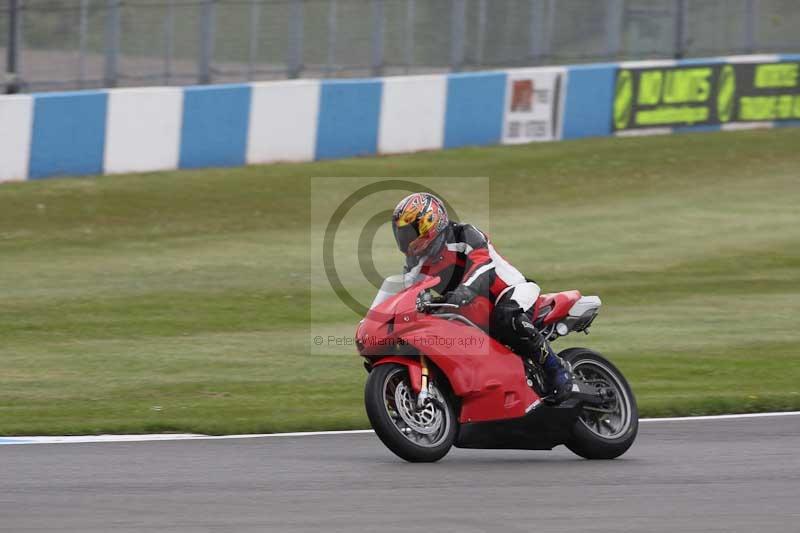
590,394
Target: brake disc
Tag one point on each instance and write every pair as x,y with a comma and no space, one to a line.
426,420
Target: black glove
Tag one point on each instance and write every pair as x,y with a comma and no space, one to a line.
428,296
462,295
523,326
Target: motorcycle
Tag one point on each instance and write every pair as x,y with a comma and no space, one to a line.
436,379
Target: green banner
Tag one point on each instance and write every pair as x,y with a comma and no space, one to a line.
706,94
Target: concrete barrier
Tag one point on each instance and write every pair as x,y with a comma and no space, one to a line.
163,128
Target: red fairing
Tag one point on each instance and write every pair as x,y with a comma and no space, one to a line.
489,378
562,302
478,311
373,334
414,369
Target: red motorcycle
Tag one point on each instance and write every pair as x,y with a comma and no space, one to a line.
437,379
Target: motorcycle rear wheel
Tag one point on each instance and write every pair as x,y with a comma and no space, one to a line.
607,431
417,435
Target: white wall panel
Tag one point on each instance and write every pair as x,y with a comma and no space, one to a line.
412,114
16,119
760,58
143,129
283,121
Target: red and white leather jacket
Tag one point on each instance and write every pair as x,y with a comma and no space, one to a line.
469,266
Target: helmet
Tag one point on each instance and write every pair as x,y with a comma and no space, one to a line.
419,222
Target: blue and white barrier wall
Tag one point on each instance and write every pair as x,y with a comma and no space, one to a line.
164,128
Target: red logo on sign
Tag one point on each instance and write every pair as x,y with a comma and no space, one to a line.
522,95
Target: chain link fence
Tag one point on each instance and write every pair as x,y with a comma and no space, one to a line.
71,44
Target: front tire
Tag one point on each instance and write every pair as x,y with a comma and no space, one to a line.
416,435
607,431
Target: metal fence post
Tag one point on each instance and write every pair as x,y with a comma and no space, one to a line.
110,72
294,57
330,65
680,28
408,52
169,41
481,38
542,21
508,39
255,23
12,81
550,25
83,30
614,18
458,28
535,30
751,26
378,27
206,57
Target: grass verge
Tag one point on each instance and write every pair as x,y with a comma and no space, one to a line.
180,301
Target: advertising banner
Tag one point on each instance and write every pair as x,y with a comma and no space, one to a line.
705,94
534,100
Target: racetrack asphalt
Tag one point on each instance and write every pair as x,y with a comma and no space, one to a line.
730,475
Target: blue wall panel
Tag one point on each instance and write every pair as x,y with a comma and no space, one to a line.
214,128
474,114
590,98
68,135
349,116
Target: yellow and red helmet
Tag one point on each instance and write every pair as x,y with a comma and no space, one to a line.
419,223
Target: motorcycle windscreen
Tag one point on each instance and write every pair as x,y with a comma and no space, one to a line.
396,284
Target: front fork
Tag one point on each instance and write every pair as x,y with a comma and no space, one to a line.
423,395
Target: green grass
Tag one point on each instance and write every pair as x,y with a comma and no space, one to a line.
181,301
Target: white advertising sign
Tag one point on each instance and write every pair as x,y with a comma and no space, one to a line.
534,103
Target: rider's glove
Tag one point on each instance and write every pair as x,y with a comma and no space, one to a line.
523,326
462,295
428,296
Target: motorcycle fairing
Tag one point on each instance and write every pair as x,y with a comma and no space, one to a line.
561,303
542,428
414,369
488,377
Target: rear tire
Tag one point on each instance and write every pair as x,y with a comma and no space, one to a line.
603,435
389,402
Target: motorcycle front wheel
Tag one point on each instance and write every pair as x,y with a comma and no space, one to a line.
602,431
418,435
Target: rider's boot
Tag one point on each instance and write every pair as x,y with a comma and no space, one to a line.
557,377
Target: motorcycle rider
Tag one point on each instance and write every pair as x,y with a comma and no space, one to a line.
468,265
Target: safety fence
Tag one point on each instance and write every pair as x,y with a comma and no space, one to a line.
164,128
55,45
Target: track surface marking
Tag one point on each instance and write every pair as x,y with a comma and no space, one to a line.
731,475
193,436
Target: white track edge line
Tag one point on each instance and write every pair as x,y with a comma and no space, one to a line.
168,437
719,417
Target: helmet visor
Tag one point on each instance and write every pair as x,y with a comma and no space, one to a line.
405,236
